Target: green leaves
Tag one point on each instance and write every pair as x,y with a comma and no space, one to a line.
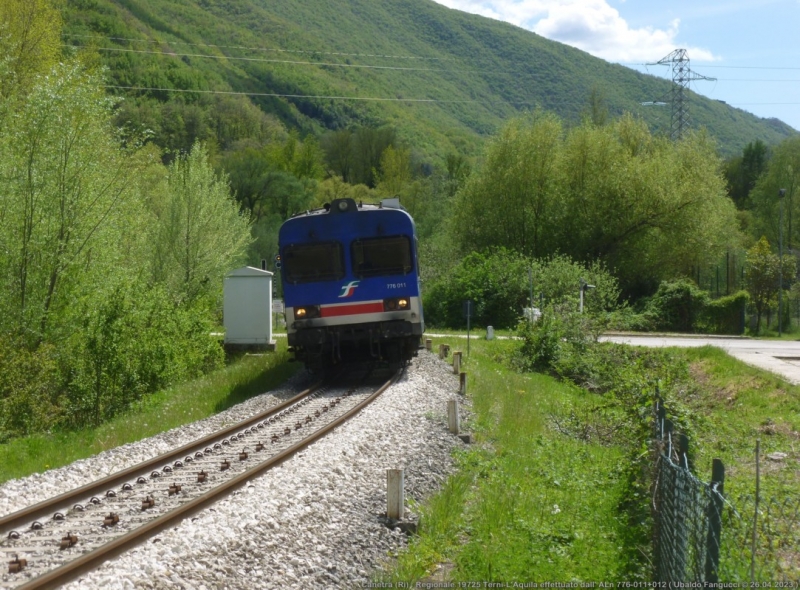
110,266
764,271
646,207
200,233
498,283
68,189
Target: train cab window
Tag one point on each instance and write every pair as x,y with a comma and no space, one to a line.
374,257
308,263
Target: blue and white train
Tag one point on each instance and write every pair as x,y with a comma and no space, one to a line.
351,284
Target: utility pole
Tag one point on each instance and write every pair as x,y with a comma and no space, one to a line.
681,76
781,193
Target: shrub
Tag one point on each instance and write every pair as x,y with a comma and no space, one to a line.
725,315
31,389
131,346
499,286
677,306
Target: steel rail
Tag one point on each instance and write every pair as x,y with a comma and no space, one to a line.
89,561
66,500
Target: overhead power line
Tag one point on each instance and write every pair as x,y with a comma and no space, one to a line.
265,49
377,55
320,96
368,98
725,67
288,62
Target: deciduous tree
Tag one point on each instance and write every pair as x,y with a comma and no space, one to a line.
201,232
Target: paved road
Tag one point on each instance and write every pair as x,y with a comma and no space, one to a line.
779,356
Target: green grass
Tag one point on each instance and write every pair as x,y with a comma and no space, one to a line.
529,503
534,501
739,405
243,378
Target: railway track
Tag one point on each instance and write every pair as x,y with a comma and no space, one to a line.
52,542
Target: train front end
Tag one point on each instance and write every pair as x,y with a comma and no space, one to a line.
351,284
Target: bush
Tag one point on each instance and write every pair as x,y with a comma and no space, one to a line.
681,306
494,282
726,314
677,306
131,346
31,389
498,285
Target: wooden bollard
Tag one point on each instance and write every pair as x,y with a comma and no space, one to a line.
457,362
441,351
462,383
453,419
428,344
395,494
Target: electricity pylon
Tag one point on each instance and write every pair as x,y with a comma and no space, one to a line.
681,76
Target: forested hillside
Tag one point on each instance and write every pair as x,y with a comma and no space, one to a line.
444,79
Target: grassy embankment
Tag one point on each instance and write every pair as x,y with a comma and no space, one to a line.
735,405
244,377
533,503
527,498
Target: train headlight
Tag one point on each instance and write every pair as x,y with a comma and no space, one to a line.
307,312
398,304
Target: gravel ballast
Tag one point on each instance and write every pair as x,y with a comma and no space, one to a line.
316,521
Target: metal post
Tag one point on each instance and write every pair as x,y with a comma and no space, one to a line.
755,515
683,450
469,310
728,272
714,514
781,192
530,283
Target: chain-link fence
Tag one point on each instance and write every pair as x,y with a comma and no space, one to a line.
772,555
701,535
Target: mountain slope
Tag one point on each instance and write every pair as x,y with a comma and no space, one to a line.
475,71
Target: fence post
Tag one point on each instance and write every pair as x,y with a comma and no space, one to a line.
453,417
457,362
714,521
395,493
755,514
668,437
683,450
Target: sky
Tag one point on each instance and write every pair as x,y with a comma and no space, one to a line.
751,47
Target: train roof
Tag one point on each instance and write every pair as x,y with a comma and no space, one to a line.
345,205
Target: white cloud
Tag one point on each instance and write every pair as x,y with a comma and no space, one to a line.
591,25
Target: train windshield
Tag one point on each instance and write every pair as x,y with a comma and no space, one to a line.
376,257
308,263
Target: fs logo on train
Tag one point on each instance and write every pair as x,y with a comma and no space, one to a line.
349,289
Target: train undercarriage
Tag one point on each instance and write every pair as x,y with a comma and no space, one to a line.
392,342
